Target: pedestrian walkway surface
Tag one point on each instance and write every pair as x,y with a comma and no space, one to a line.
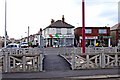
55,63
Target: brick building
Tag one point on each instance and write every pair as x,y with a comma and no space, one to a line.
93,35
115,33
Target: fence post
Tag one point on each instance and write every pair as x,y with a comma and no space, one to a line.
116,59
116,50
6,62
87,58
73,59
24,63
40,62
102,60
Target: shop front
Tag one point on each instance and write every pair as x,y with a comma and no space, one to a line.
61,41
95,41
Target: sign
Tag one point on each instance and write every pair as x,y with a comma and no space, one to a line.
90,37
107,36
59,36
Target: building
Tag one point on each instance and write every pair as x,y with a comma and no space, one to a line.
35,40
59,33
115,33
94,36
1,42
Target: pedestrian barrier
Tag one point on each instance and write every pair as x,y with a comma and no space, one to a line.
21,60
95,57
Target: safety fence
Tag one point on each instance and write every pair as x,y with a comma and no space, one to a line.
21,60
95,57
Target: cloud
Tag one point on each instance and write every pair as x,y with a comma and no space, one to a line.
38,14
100,13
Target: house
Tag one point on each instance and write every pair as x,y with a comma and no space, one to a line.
59,33
115,33
1,42
94,36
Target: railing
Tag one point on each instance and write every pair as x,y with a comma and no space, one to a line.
21,60
95,57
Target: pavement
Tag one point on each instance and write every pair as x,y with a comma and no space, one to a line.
56,68
67,74
55,63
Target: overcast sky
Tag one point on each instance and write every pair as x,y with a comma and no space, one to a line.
38,14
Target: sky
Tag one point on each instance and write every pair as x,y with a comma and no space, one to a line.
38,14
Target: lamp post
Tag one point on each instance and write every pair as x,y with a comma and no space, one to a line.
5,24
28,35
83,26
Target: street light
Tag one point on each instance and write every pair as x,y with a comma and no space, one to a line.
5,23
28,35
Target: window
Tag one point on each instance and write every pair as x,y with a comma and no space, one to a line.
88,31
47,31
102,31
69,31
58,30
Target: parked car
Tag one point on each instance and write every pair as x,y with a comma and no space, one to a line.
12,45
24,45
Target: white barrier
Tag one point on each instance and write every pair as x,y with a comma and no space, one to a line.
95,57
22,60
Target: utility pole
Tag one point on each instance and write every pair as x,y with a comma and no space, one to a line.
28,35
5,24
83,26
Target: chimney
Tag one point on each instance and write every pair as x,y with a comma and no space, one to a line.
40,31
52,21
63,19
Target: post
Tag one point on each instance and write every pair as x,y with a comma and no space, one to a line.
5,23
24,63
87,58
5,62
74,59
41,64
103,60
65,45
116,59
94,42
109,42
28,35
83,27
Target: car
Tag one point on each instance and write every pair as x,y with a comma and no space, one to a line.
12,45
23,44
